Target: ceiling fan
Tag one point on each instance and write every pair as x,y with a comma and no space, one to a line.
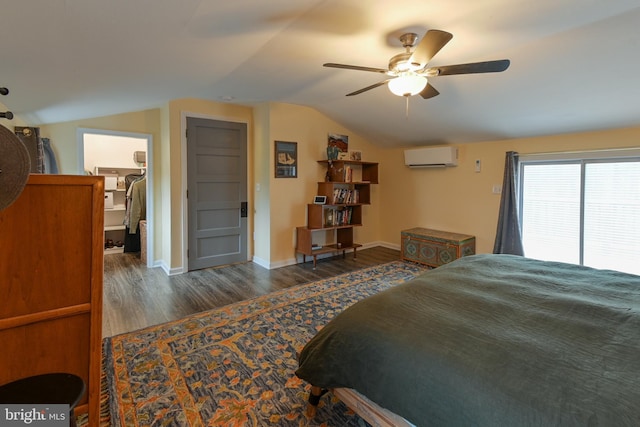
409,72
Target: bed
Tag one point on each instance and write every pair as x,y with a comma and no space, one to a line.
488,340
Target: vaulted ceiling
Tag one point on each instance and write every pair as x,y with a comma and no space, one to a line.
574,63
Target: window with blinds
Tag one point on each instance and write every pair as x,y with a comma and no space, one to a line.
582,211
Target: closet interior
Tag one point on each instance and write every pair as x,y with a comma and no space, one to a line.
122,161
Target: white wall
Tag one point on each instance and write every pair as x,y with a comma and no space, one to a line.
111,151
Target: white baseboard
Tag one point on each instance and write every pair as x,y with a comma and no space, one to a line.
260,262
169,271
385,245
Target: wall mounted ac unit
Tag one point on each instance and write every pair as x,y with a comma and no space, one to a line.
429,157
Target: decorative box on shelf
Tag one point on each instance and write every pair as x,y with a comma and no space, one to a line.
434,247
108,200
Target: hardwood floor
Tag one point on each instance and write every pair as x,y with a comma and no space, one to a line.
136,297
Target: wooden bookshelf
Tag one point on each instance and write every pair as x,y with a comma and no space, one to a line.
336,219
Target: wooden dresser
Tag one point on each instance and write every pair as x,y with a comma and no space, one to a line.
51,273
435,247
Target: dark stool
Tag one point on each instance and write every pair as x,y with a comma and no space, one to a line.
59,388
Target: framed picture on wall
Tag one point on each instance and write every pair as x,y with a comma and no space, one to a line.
286,159
355,155
337,147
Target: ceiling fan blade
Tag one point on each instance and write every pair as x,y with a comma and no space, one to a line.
431,43
472,68
429,92
373,86
355,67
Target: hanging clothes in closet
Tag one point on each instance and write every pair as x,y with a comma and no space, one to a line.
136,210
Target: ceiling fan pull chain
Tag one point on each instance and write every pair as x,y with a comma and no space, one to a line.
406,112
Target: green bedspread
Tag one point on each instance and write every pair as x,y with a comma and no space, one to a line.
491,340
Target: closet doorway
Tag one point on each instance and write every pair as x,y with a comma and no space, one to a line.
125,159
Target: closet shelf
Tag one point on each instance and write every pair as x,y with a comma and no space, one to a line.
115,208
114,250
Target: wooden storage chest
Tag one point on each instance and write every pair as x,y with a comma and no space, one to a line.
434,247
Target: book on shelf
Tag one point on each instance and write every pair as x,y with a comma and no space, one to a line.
348,174
338,216
345,196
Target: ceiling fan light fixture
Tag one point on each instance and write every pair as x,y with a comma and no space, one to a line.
405,66
408,71
407,84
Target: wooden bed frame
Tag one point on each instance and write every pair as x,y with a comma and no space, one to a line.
365,408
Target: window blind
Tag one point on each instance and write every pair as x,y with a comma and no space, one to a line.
582,211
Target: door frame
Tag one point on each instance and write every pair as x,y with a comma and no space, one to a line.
80,132
183,167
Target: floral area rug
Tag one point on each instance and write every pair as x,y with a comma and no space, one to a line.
234,366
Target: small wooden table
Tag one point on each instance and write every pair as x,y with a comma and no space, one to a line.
344,241
329,249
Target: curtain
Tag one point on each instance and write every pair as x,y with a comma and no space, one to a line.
508,237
